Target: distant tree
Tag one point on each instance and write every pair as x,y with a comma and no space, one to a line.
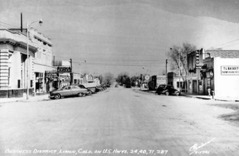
178,57
108,78
121,79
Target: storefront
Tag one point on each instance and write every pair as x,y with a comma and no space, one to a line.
221,77
39,81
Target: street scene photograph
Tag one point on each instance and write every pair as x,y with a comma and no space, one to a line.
119,77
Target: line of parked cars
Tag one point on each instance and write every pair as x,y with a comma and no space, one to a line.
75,90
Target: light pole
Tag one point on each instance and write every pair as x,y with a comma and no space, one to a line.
179,66
28,62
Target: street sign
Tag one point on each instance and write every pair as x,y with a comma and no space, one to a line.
64,69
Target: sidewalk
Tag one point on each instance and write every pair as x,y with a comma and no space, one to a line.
206,97
23,99
203,97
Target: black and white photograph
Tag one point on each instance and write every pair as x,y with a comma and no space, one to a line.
119,77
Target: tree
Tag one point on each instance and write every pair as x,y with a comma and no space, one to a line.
178,57
121,79
108,78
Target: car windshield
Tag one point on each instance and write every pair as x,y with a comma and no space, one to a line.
65,87
162,86
81,86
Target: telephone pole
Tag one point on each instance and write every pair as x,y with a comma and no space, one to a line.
166,71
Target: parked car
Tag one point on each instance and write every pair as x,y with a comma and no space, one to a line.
167,90
83,87
67,91
90,86
99,88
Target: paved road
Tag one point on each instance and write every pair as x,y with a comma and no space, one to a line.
117,121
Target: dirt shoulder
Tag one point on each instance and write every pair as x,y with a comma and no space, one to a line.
232,117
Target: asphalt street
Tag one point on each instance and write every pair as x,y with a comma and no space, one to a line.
117,121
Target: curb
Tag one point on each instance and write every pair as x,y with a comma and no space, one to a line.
205,98
24,100
197,97
226,100
38,100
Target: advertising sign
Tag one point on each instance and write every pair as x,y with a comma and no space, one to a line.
230,70
64,69
51,74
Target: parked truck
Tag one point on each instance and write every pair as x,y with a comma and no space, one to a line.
155,81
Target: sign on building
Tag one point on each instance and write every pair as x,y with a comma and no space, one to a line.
64,69
51,74
197,59
229,70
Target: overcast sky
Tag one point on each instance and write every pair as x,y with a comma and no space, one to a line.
126,35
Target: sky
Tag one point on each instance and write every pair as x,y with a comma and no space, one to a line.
130,36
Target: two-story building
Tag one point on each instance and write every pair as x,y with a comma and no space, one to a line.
42,61
14,63
16,68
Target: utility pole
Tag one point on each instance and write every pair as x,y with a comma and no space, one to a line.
166,72
71,74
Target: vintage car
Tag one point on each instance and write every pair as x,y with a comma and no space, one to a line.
66,91
167,90
90,91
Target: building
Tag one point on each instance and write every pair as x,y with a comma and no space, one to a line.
213,72
220,74
175,80
42,61
15,64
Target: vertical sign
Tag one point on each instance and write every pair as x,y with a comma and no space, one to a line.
197,58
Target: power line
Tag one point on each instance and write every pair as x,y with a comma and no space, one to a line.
7,24
221,46
117,64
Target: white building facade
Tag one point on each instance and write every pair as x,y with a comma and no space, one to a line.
14,63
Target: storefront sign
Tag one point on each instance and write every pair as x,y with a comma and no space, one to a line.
51,74
64,69
230,70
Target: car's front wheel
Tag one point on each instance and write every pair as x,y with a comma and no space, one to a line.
57,96
177,93
80,94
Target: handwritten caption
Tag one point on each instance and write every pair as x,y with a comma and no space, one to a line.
197,148
85,151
